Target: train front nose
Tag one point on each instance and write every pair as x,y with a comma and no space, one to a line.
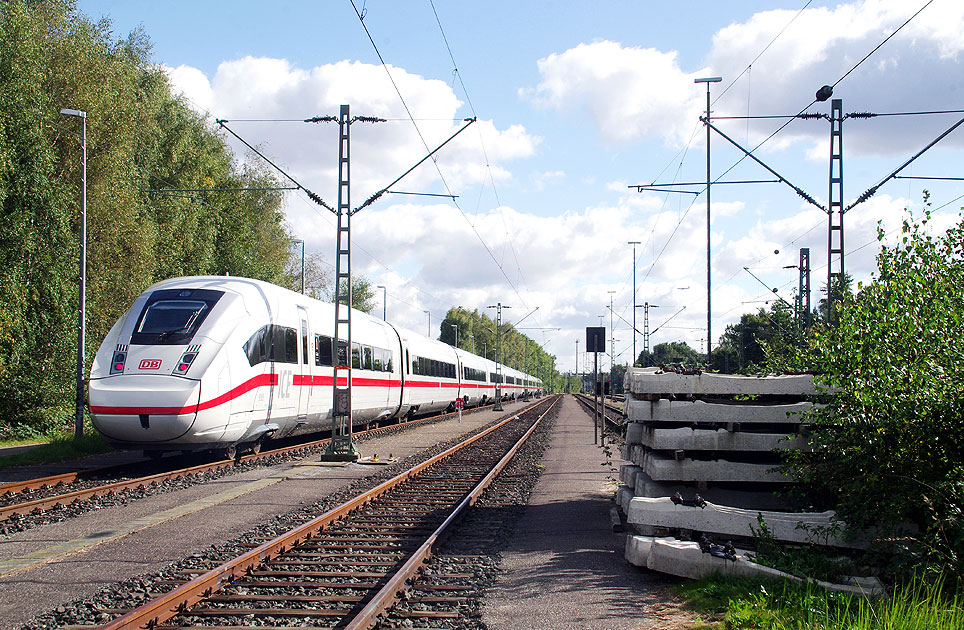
137,410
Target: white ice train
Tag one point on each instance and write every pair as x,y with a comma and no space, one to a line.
223,363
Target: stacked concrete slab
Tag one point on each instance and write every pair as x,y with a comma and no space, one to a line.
711,434
704,452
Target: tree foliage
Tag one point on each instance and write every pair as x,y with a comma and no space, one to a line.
745,347
670,353
477,334
145,145
888,449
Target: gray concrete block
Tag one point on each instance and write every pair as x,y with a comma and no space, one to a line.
623,496
700,411
646,381
713,440
663,468
634,433
627,474
742,498
730,521
684,559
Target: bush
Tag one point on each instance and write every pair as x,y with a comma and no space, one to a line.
888,450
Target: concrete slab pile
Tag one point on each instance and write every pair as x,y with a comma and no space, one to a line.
712,434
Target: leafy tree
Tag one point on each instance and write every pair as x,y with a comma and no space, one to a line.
670,353
38,229
888,449
477,333
618,375
745,345
140,138
842,287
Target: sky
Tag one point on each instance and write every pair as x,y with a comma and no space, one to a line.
574,104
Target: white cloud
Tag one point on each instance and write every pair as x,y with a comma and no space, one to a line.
908,73
266,88
632,93
629,92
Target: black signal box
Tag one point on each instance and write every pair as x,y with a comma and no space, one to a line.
595,338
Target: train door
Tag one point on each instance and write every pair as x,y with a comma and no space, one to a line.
305,369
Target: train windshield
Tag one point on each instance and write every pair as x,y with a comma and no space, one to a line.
173,316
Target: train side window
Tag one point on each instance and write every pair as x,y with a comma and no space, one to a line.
255,347
378,359
276,352
304,342
291,345
342,352
389,362
356,356
322,350
366,357
407,364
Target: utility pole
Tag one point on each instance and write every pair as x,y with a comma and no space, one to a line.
342,447
384,302
709,310
498,354
646,306
578,377
803,291
835,209
612,349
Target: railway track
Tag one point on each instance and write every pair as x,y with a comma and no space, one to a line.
34,496
349,565
615,418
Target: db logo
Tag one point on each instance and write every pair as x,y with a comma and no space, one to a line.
150,364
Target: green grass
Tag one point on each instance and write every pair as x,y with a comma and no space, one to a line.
751,604
60,447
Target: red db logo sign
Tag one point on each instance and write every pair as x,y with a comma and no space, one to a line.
150,364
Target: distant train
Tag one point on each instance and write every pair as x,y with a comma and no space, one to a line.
223,363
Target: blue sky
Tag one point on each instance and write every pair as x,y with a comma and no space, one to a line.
575,102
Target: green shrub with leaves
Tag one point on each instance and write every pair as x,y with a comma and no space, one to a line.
888,449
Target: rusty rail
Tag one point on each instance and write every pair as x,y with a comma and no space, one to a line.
68,498
181,598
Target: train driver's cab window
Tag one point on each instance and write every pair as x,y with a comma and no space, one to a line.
173,316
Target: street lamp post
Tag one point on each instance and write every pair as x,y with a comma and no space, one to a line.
302,242
82,303
709,334
384,302
456,327
634,244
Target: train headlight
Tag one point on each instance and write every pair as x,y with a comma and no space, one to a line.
117,363
185,363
